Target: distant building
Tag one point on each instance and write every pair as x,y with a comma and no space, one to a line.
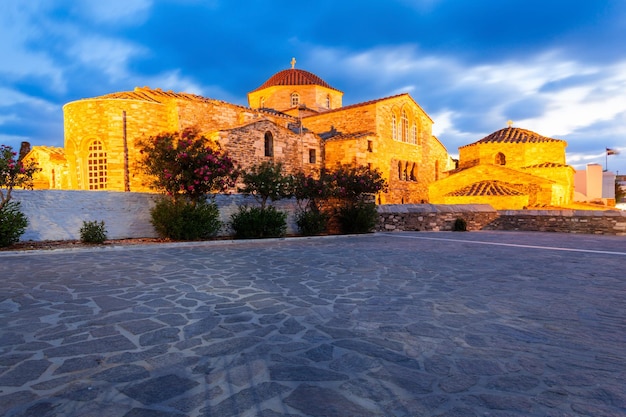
511,168
593,185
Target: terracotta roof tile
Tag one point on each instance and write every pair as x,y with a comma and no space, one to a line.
514,135
294,76
546,165
486,188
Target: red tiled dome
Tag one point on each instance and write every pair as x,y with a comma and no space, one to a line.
294,76
514,135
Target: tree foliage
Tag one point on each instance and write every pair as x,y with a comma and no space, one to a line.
266,181
14,172
186,165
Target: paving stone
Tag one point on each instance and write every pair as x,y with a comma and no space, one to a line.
8,401
245,399
352,363
390,323
159,337
228,347
323,402
79,364
457,383
146,412
320,353
105,344
159,389
201,326
129,357
304,373
377,352
141,326
24,372
122,373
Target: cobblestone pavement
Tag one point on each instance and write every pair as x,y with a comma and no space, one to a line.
403,324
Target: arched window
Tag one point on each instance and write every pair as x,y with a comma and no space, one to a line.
414,134
269,144
328,101
262,102
405,173
394,131
96,166
414,172
500,159
405,127
400,170
295,99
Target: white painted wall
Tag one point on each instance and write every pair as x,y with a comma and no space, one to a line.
59,214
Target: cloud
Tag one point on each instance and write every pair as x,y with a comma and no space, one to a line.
110,56
115,11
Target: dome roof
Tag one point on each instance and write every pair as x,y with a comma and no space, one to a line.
514,135
294,76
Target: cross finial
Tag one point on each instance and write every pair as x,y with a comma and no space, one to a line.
510,123
293,63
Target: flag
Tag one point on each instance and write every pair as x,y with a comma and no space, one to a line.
610,151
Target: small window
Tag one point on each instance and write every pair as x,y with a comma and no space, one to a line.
413,172
400,170
500,159
436,170
269,144
312,156
295,99
405,127
262,102
394,128
328,101
97,166
414,134
370,146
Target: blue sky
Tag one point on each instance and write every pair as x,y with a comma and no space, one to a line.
555,67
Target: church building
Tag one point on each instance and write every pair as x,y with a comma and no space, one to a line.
510,169
294,117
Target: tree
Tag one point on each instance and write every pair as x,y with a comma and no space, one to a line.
188,168
266,181
187,165
14,172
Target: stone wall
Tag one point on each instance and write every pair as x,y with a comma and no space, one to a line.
429,217
59,214
610,222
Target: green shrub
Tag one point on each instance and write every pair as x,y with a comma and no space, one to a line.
460,225
257,222
93,232
184,220
13,223
360,217
311,222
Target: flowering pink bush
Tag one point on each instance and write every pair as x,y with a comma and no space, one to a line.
14,172
187,165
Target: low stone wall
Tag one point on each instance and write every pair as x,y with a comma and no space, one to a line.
430,217
427,217
59,214
609,222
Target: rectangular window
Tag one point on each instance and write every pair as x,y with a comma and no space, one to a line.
370,146
311,156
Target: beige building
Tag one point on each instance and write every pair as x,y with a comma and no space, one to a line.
512,168
294,117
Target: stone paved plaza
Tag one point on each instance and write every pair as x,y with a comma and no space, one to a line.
403,324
